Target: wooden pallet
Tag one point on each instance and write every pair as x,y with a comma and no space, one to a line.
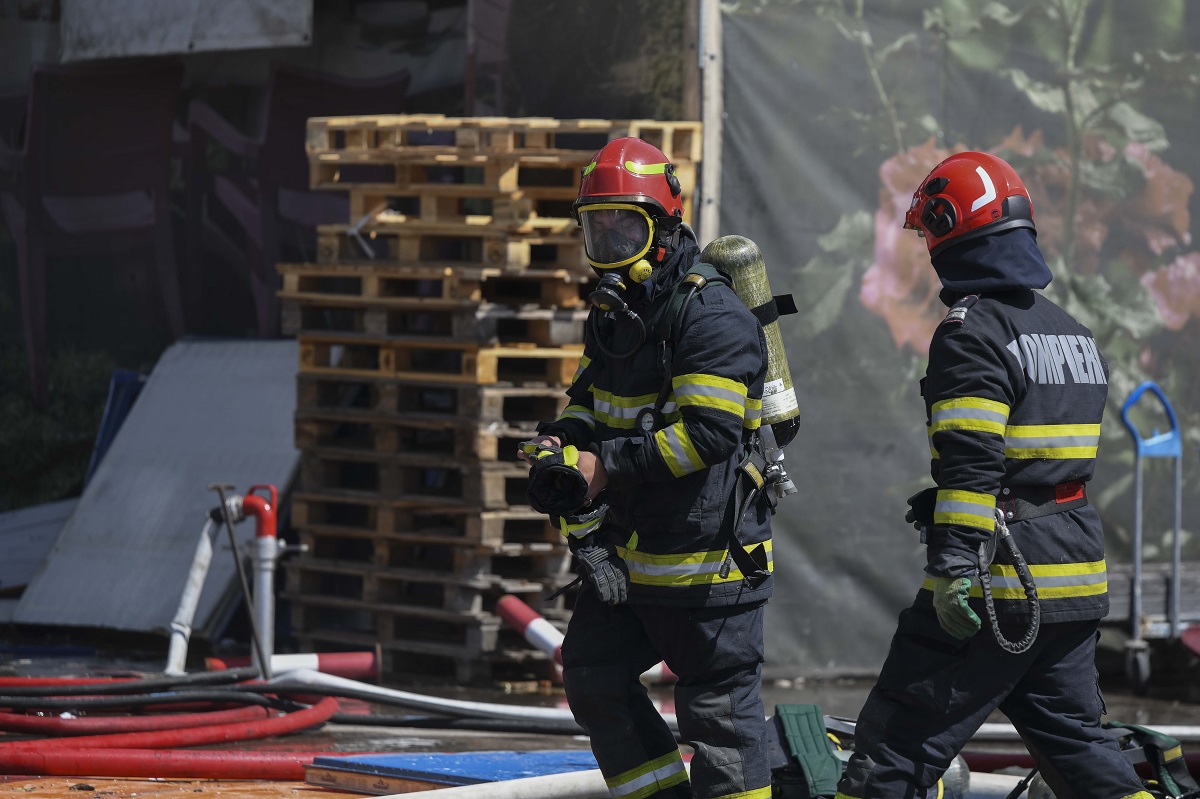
450,362
470,442
416,478
351,514
445,194
372,398
486,324
537,245
534,560
415,287
464,138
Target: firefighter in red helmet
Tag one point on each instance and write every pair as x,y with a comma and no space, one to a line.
1014,395
650,459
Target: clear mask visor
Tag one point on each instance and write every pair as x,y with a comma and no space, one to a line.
615,235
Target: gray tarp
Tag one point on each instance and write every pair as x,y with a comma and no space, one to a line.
117,28
830,121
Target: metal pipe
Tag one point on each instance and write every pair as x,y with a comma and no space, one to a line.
266,553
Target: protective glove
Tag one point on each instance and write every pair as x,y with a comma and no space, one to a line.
600,565
950,601
920,508
556,486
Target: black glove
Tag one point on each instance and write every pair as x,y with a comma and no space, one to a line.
556,486
920,508
600,565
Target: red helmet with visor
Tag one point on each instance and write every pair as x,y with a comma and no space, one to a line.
968,195
625,194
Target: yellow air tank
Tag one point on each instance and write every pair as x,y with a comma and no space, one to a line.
740,258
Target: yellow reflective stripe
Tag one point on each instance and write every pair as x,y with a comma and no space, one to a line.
587,170
1139,795
753,419
578,530
1174,753
756,793
648,778
1055,441
968,413
645,169
710,391
685,569
677,450
581,413
621,413
583,364
1054,580
968,508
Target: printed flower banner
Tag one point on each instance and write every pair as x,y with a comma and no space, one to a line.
833,113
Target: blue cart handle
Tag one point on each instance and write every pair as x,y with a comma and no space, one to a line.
1160,445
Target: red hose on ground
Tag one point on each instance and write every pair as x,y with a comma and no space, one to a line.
91,725
34,682
168,763
221,733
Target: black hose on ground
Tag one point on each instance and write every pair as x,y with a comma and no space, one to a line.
112,702
134,686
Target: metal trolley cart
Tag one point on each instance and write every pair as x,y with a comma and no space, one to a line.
1165,621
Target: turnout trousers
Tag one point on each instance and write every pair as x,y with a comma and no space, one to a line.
716,652
935,691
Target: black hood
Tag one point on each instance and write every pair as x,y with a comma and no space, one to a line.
1004,261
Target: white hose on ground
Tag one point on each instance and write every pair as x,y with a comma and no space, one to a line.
181,625
990,786
317,683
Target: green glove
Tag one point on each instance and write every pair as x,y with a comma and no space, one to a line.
953,612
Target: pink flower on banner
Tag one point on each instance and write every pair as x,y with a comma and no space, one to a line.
901,286
1160,211
1176,289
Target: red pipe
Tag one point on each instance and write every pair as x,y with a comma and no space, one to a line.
203,764
220,733
263,510
34,682
89,725
351,665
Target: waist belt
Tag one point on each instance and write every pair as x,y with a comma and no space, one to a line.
1018,503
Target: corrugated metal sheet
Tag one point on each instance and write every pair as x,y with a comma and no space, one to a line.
212,411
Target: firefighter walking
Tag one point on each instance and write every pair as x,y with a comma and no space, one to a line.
645,474
1014,395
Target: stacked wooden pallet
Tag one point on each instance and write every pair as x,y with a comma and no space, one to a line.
437,327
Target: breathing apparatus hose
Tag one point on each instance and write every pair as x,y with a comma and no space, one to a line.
987,551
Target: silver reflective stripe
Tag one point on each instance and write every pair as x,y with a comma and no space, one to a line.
671,437
645,780
1056,581
684,390
575,412
1050,442
958,506
604,408
945,414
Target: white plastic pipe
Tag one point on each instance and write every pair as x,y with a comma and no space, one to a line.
181,625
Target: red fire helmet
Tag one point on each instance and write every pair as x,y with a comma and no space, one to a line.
968,195
632,171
